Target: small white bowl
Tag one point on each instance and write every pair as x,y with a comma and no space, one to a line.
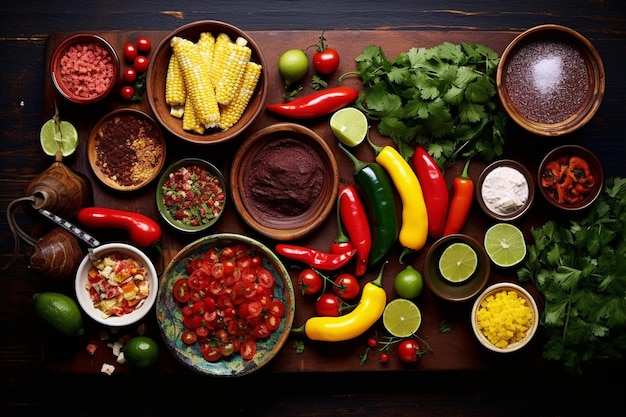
82,294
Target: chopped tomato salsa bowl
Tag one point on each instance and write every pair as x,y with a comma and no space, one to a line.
225,305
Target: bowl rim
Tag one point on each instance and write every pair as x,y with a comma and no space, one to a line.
216,136
599,186
83,297
159,194
91,153
531,332
529,180
60,50
595,67
438,246
237,178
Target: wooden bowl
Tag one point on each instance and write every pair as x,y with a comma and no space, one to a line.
491,292
505,190
126,149
548,186
155,84
76,52
284,181
550,80
445,289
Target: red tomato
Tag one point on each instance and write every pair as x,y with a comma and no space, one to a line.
127,92
181,290
277,308
261,331
384,357
130,75
326,61
346,286
408,350
328,304
189,337
140,63
144,44
265,277
248,349
310,282
198,280
130,52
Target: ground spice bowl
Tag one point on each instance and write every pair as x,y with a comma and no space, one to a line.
574,98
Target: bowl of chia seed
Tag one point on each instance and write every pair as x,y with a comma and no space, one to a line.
550,80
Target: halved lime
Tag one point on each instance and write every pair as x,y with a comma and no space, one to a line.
349,125
61,135
505,244
402,317
458,262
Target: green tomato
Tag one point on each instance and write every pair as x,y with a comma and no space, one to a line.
141,351
293,65
409,283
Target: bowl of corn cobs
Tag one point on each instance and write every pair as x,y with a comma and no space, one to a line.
207,82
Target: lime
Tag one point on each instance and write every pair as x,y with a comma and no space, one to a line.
58,135
349,125
505,244
458,262
60,312
402,317
141,351
293,65
409,283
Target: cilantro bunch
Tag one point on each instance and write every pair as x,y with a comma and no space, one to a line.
579,268
443,98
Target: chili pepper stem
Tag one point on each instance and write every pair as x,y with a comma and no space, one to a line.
379,279
405,252
465,172
377,149
298,330
358,164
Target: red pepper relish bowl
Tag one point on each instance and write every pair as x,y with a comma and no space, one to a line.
116,268
254,334
172,116
84,68
284,181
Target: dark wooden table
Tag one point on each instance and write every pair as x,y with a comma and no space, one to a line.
39,375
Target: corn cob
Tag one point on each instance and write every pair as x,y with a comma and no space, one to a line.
231,113
206,43
199,88
190,121
175,92
229,62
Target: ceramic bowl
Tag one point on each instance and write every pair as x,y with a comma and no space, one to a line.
82,277
284,181
579,193
126,149
170,319
445,289
69,60
155,83
505,190
550,80
524,335
210,197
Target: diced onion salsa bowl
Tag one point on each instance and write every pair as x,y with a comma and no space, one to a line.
229,94
225,305
116,285
191,195
84,68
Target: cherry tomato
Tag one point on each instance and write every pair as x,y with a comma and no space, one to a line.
372,342
384,357
408,350
130,75
140,63
310,282
189,337
130,52
143,44
326,61
127,92
328,304
346,286
181,290
248,349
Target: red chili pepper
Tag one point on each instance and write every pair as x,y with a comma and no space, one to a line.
435,191
317,104
355,220
142,230
314,258
461,203
342,242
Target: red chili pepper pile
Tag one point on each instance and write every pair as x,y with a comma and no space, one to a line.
567,179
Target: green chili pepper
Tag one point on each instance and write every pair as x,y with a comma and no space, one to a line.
380,203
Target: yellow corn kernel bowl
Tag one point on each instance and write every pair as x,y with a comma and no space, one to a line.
156,86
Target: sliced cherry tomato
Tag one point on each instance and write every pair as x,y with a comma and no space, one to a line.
326,61
129,75
272,322
265,277
127,92
261,331
217,270
328,304
189,337
310,282
181,290
198,280
212,354
140,63
277,308
248,349
229,267
254,308
408,350
202,332
346,286
143,44
130,52
227,348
